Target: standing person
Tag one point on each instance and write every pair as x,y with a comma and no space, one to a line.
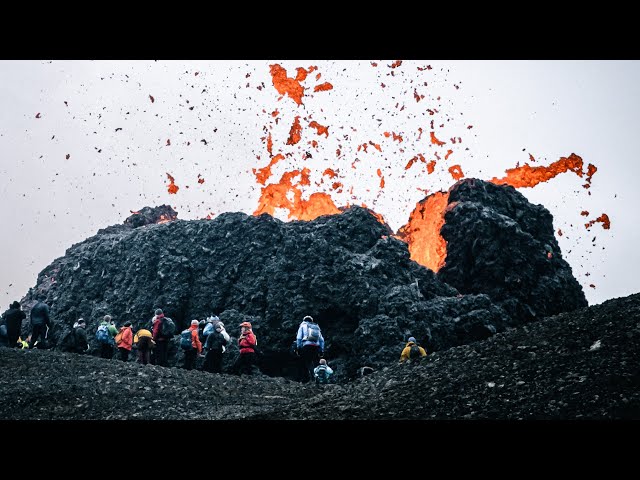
13,320
215,347
40,323
163,328
105,335
191,352
80,345
144,341
124,341
412,351
310,343
247,343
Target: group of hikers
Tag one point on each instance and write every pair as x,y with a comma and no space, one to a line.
152,343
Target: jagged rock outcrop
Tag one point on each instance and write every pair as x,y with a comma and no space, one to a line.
501,245
346,270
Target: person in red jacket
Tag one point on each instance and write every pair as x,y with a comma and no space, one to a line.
190,356
247,343
124,341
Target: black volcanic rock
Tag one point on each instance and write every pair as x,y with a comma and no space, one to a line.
345,270
501,245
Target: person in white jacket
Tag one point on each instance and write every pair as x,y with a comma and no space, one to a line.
214,347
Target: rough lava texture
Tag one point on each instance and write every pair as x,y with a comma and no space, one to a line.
501,245
577,365
345,270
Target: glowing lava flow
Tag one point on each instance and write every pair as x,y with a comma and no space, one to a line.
422,231
277,195
527,176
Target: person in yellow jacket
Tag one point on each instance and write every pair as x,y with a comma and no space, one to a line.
143,340
412,351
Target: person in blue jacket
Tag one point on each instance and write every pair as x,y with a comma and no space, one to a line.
310,343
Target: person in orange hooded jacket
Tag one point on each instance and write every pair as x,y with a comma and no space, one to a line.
190,356
247,344
124,341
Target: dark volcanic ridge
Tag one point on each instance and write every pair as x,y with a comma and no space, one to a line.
578,365
503,268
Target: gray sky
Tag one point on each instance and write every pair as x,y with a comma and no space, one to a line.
547,109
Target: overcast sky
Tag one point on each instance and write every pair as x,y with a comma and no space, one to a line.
209,122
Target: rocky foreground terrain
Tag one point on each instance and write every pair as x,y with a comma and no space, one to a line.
583,364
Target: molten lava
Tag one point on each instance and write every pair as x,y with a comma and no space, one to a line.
172,187
319,128
604,219
422,231
277,195
527,176
294,133
285,85
323,87
263,174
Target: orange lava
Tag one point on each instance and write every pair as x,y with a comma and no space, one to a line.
449,152
456,172
294,133
422,231
270,144
527,176
285,85
323,87
410,163
397,138
263,174
604,219
172,188
435,141
330,173
276,195
431,167
379,172
320,129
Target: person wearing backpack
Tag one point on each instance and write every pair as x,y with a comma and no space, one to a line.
78,338
322,372
163,330
412,351
105,336
191,345
247,343
215,347
124,341
13,320
310,343
40,323
143,340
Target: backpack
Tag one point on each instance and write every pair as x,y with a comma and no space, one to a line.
118,337
414,352
102,334
185,340
313,332
168,328
321,375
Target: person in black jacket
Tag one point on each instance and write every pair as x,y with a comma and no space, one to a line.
40,322
214,346
81,344
13,319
